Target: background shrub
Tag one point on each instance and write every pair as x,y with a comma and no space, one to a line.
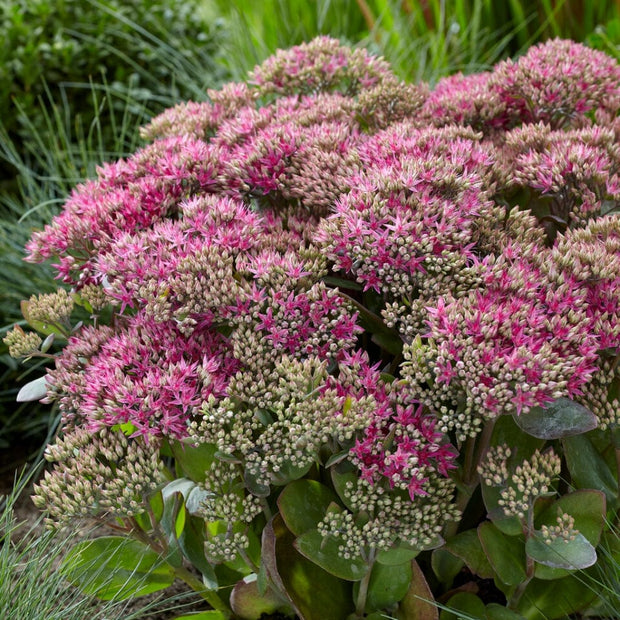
60,48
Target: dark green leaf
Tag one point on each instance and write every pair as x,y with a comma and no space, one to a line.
193,461
506,554
588,468
114,567
388,585
344,475
399,554
465,602
191,542
510,525
324,552
467,546
522,446
561,418
336,458
314,593
445,565
392,343
499,612
342,283
303,504
555,599
255,487
250,604
586,506
289,472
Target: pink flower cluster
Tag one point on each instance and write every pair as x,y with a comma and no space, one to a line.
464,222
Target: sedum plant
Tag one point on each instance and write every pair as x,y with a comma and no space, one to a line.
337,346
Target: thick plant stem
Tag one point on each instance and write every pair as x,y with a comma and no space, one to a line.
360,604
475,449
530,565
468,464
208,595
482,445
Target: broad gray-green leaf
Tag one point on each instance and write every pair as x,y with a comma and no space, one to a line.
35,390
559,553
561,418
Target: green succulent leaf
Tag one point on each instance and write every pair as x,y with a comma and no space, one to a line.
555,599
467,603
506,554
303,503
561,418
510,525
254,486
193,462
398,554
499,612
249,604
387,586
324,552
586,506
507,432
588,469
34,390
445,565
313,593
342,474
572,554
468,547
191,542
114,567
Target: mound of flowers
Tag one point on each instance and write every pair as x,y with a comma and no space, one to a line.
317,311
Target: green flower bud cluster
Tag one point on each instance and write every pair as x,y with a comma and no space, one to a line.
103,473
51,309
529,480
21,343
493,470
564,530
